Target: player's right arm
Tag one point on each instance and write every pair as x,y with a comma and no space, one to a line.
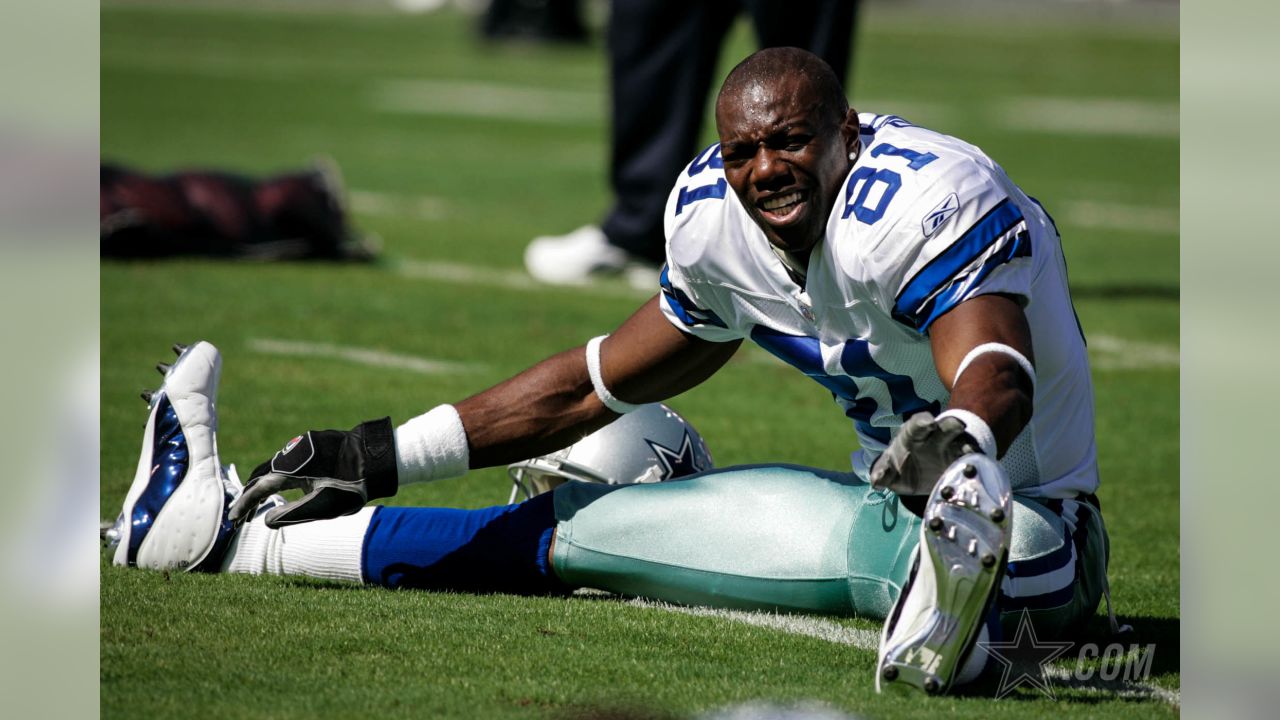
554,403
547,407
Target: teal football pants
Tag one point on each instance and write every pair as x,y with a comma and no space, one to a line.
788,538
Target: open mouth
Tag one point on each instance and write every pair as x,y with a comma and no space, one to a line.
779,209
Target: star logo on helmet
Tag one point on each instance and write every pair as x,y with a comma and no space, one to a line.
676,463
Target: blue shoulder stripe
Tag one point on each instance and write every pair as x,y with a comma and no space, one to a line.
683,307
926,297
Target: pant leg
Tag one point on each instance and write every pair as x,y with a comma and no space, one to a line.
1057,565
662,58
769,537
824,27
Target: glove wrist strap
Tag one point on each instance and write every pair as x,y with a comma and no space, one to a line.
378,442
432,446
976,427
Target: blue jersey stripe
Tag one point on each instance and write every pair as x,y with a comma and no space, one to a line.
939,305
683,307
805,354
943,269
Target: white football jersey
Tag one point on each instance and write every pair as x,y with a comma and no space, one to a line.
924,222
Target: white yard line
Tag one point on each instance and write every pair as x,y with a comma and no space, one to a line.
480,275
1126,117
814,627
1107,352
1089,116
823,629
1090,214
359,355
419,207
514,103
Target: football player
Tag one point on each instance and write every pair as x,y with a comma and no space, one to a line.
899,268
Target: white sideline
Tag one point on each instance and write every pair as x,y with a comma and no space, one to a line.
359,355
823,629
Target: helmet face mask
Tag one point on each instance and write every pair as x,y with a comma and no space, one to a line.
651,444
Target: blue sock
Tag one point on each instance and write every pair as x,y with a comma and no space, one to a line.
496,549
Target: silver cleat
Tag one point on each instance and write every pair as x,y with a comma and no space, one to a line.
964,544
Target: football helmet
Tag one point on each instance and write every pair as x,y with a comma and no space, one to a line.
648,445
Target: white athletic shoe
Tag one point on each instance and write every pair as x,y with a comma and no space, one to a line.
175,514
940,616
582,256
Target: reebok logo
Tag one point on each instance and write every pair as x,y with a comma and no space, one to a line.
939,215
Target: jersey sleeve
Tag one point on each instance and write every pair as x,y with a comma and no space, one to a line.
971,239
683,309
693,225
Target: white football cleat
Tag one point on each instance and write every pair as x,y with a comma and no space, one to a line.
175,514
964,546
585,255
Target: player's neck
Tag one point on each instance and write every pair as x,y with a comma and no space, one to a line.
796,264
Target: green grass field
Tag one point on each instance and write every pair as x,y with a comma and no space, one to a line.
1082,114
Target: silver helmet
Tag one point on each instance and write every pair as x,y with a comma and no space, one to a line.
647,445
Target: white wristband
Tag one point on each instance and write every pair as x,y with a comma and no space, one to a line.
977,428
432,446
1003,349
597,381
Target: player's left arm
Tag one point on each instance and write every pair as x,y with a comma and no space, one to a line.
986,334
982,351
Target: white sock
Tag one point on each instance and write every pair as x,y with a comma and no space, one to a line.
327,549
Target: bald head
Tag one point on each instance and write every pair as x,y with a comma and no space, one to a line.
762,74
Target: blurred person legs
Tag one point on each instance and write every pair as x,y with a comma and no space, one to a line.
298,215
545,20
662,60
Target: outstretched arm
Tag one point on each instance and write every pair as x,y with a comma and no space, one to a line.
547,407
554,403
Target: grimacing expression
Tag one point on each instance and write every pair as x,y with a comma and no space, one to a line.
785,157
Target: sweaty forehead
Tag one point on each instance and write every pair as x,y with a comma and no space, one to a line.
761,106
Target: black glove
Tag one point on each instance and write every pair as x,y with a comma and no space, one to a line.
340,470
921,451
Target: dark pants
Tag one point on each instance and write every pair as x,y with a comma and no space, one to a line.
662,56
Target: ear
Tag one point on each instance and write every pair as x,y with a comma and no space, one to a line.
850,129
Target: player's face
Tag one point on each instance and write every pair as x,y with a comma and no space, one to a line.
784,159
